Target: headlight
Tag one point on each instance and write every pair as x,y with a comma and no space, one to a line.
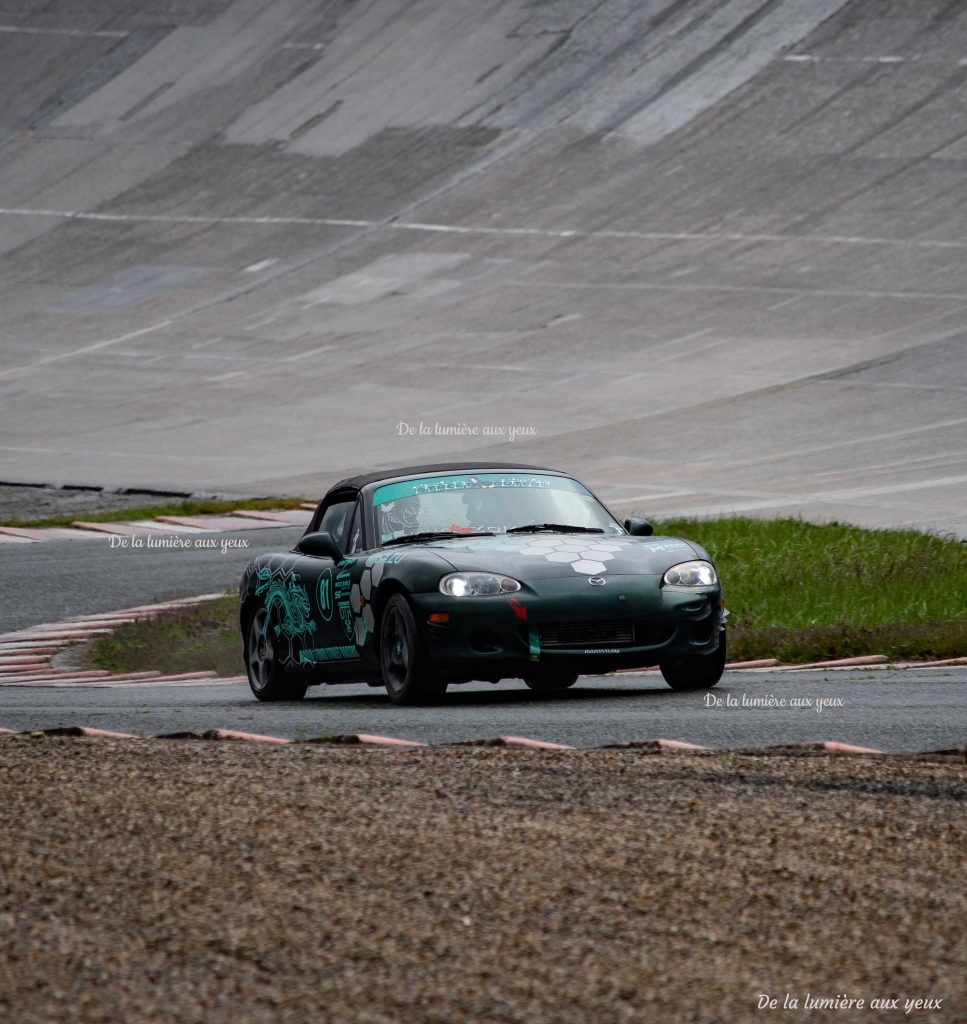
477,584
691,574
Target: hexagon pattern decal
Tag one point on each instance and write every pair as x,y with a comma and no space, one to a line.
583,554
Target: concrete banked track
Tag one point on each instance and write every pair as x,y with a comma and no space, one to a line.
712,253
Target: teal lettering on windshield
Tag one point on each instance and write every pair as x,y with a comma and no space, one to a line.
478,481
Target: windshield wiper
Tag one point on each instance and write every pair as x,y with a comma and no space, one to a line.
555,528
415,538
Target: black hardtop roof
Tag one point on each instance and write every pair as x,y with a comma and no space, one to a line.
358,482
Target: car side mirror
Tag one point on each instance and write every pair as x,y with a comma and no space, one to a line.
320,545
639,527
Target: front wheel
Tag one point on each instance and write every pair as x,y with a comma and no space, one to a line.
695,671
268,680
407,675
551,683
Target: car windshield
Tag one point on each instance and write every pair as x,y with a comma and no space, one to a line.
486,503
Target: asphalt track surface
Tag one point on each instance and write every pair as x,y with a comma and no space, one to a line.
899,710
52,580
903,710
708,254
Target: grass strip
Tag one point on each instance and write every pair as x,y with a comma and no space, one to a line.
191,639
186,507
796,591
800,591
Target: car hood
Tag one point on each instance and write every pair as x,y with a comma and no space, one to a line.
556,555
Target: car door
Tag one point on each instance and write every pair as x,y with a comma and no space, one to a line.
325,583
354,624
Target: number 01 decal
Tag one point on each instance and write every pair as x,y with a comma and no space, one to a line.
325,594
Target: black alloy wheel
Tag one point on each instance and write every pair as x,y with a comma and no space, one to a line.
552,682
267,678
407,676
695,671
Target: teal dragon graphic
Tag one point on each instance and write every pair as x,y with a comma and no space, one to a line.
291,597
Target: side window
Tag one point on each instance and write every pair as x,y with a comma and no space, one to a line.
335,521
355,531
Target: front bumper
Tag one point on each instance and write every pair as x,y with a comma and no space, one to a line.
568,625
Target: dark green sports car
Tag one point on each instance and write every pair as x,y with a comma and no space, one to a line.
416,578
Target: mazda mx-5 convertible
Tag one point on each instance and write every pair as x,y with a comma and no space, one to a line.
416,578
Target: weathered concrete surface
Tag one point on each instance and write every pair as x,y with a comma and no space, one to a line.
711,254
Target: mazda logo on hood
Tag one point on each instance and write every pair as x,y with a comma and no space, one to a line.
597,581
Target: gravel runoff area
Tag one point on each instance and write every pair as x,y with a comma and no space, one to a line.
20,501
200,881
26,501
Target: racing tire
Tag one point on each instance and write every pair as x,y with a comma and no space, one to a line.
267,678
403,661
695,671
551,683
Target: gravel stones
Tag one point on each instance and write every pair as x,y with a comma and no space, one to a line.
28,502
193,881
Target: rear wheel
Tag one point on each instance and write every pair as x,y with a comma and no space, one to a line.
695,671
407,675
268,680
552,682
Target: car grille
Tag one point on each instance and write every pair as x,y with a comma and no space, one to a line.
587,634
605,634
